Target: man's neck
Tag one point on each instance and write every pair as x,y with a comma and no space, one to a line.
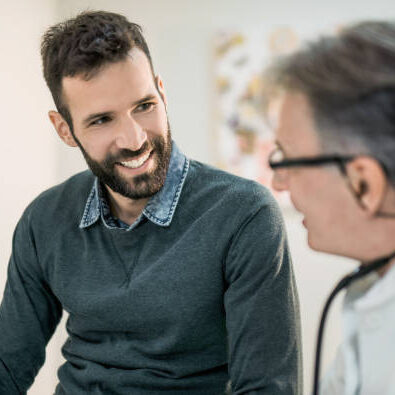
123,208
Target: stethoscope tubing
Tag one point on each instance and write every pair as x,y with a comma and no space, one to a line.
361,271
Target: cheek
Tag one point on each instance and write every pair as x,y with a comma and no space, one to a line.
322,223
154,122
160,123
303,191
329,216
97,146
315,197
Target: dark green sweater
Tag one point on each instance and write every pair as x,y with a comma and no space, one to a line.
158,310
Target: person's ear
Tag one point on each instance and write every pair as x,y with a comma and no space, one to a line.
62,128
161,89
368,181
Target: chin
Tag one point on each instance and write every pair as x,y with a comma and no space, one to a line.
312,245
320,246
317,245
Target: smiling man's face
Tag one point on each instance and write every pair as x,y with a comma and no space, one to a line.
120,124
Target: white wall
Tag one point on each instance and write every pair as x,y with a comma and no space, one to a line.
28,149
180,35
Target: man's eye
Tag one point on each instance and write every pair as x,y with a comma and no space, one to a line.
100,121
145,107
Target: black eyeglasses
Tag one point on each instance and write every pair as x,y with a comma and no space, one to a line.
277,161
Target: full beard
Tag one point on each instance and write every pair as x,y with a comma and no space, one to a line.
143,185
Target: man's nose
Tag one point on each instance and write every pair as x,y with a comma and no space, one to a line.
279,180
131,135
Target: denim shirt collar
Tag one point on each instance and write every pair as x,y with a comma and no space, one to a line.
160,207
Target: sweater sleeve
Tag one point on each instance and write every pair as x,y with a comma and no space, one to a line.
29,314
262,309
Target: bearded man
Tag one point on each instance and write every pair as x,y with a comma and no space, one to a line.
176,276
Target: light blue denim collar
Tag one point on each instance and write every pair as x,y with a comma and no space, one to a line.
160,207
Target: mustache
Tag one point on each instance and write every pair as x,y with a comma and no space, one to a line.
125,154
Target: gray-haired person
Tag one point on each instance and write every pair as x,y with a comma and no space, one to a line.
176,276
336,156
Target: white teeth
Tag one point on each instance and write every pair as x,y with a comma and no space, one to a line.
133,164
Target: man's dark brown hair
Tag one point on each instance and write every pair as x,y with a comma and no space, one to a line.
82,45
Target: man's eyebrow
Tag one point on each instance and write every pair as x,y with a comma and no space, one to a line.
144,99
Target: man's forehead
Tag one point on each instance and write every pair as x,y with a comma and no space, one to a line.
294,107
295,126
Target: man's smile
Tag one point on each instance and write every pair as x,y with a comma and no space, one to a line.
136,163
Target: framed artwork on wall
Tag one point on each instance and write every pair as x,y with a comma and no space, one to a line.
243,135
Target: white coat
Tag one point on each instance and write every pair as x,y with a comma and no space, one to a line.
365,362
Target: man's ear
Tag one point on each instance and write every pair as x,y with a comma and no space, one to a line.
369,181
161,88
62,128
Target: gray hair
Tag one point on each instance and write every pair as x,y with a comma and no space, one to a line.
349,80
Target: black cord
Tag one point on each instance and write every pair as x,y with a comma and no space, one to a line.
361,271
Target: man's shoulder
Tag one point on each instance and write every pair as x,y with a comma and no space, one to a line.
73,187
220,183
224,206
224,197
61,199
